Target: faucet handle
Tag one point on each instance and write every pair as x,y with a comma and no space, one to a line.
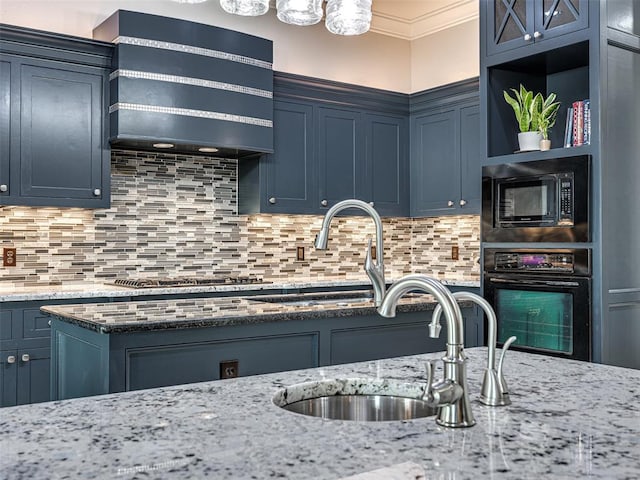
505,347
368,261
428,390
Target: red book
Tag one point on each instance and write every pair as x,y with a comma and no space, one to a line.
578,123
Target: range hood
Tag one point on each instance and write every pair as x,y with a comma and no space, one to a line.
189,85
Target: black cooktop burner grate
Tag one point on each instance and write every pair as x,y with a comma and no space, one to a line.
185,282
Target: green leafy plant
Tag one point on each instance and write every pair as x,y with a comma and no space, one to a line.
534,113
522,106
545,112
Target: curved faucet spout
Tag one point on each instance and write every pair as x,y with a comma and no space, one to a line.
451,393
375,270
446,302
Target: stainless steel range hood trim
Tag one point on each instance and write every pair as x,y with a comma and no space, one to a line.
189,112
196,82
205,52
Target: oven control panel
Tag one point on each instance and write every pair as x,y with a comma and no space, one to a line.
534,261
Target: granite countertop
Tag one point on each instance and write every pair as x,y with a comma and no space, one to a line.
568,419
100,290
123,317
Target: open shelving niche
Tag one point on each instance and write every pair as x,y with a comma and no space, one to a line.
564,71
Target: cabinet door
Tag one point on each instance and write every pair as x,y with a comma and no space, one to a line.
5,128
8,378
508,23
623,334
559,17
291,176
470,160
340,156
435,165
61,133
33,375
387,165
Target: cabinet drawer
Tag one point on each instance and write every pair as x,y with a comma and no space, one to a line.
35,324
6,325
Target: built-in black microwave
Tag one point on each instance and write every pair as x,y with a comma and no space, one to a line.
537,201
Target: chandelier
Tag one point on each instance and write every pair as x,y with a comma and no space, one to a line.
343,17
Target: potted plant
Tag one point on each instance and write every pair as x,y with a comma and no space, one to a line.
546,110
524,106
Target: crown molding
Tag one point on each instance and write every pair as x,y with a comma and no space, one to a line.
456,13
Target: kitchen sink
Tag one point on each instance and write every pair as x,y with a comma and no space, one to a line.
360,400
310,299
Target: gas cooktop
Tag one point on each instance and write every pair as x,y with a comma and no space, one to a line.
184,281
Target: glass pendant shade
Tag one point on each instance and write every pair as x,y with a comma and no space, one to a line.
299,12
348,17
249,8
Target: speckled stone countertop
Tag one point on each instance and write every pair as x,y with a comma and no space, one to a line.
568,420
224,311
98,290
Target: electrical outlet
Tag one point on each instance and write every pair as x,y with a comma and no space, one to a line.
9,257
454,252
299,253
228,369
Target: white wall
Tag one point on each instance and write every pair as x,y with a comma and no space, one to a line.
371,59
446,56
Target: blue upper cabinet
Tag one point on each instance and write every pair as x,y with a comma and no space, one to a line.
189,84
331,142
341,156
435,165
445,151
53,91
289,173
519,23
387,138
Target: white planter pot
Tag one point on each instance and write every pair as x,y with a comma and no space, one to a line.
529,141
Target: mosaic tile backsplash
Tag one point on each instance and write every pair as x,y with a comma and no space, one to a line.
175,215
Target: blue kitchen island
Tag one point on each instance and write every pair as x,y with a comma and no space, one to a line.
113,347
568,419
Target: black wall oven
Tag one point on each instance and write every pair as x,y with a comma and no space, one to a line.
539,201
543,297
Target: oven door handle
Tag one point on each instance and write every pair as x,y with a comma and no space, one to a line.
551,283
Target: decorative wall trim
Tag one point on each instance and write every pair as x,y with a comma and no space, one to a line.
54,46
205,52
197,82
451,94
189,112
337,94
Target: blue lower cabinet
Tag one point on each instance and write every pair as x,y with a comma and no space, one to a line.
8,378
371,343
24,376
177,364
85,362
25,351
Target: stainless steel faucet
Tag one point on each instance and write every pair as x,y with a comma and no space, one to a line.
449,394
494,391
375,271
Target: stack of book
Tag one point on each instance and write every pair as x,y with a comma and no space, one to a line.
578,126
